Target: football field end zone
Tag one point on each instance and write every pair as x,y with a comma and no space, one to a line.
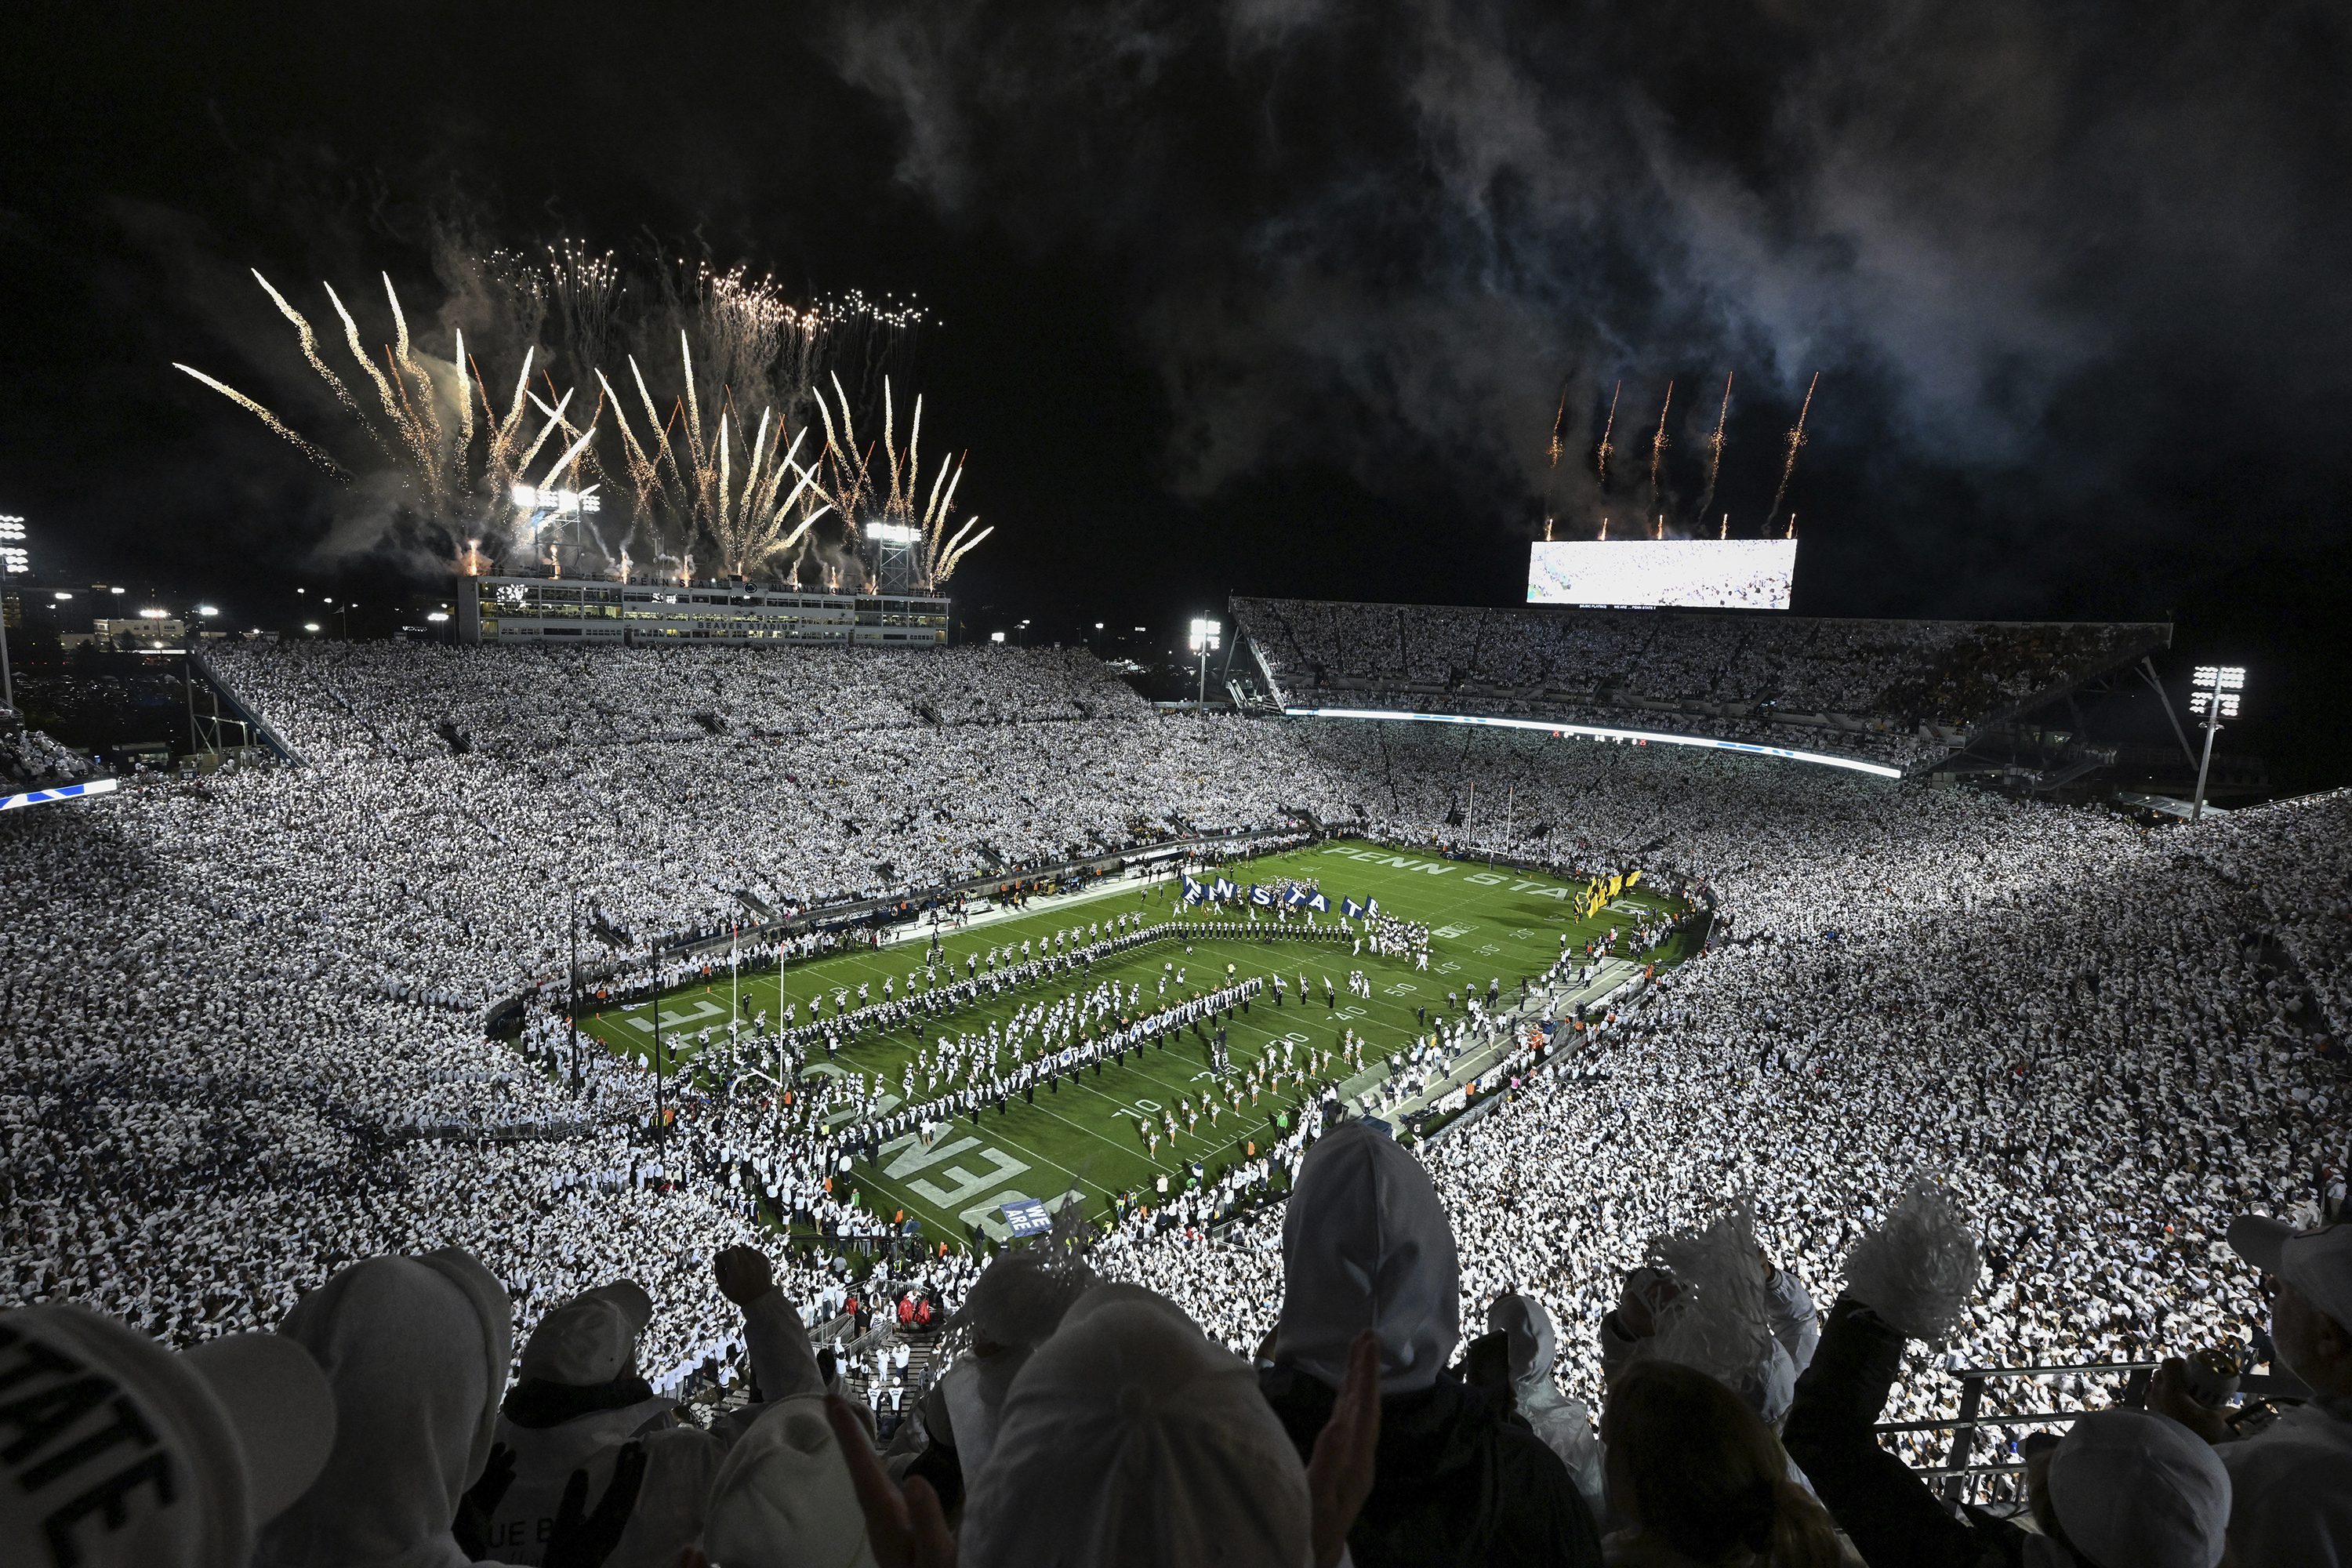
1153,1079
1081,1135
1485,925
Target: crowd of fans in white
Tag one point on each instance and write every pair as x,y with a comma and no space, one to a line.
230,1006
1895,684
31,760
823,775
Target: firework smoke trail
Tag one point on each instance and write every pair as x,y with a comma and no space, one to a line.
427,422
498,461
453,486
315,454
1601,470
851,491
940,561
458,359
1715,452
383,388
693,407
747,515
851,487
1796,439
310,345
1658,442
1551,475
554,423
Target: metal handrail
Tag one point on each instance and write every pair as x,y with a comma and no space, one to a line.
2083,1367
1973,1379
2029,1419
1965,1426
1949,1476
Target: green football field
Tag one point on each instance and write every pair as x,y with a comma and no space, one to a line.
1085,1135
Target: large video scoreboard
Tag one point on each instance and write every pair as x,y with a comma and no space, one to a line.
1650,574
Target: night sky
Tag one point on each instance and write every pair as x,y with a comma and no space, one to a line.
1281,297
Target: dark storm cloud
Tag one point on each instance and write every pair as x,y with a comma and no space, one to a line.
1388,235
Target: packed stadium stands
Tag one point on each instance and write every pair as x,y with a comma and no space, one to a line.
31,760
1900,692
245,1052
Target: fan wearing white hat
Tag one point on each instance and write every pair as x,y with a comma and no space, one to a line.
118,1451
1367,1244
416,1350
2292,1482
577,1393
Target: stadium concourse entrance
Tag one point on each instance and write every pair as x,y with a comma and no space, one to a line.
1177,1113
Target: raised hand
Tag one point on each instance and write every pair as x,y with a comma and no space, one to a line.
472,1525
743,1273
1339,1473
580,1542
905,1526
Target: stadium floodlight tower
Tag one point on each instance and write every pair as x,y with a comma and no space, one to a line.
14,558
2218,688
1203,641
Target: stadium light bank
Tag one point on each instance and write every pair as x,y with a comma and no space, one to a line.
1876,770
14,557
2218,688
1204,640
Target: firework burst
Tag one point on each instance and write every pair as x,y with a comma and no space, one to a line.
689,489
1789,464
851,484
1601,455
708,477
719,466
1715,455
454,482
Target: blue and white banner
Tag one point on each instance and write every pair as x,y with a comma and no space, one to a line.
1222,889
1351,909
1295,897
1193,891
1025,1216
63,792
1372,906
1262,897
1318,901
